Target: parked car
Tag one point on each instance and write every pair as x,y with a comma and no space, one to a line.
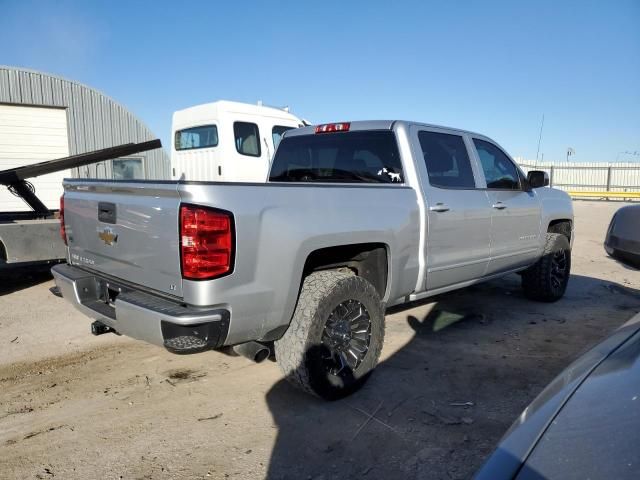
585,424
227,141
623,236
355,217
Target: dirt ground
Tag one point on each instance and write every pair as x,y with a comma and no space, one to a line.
455,373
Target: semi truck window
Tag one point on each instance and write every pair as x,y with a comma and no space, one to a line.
277,132
447,160
247,138
499,171
369,156
204,136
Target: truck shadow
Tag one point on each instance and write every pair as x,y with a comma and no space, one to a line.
455,372
19,278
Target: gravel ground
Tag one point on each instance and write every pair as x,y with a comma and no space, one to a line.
455,373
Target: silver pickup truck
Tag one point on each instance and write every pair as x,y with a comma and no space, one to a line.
354,217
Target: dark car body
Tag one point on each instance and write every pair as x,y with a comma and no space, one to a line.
585,423
623,235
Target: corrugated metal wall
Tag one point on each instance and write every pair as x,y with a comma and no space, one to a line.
95,121
614,177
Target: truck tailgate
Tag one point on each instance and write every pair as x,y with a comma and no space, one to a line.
126,230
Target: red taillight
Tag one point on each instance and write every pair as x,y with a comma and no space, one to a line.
206,242
333,127
63,230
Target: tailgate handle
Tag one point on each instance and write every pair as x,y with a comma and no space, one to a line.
107,212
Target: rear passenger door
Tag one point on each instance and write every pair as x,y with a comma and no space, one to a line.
458,212
515,233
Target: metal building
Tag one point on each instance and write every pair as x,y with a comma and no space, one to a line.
43,117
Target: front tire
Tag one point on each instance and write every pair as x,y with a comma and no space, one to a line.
335,337
547,279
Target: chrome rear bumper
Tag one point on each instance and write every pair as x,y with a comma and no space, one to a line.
153,319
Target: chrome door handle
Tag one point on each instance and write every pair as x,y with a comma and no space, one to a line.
499,206
439,207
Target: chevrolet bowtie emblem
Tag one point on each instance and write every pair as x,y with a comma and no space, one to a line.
107,236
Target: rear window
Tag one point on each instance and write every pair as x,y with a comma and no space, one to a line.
369,156
204,136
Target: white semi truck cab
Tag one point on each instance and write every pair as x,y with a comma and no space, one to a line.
227,141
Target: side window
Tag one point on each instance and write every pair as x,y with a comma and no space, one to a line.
247,138
276,134
499,170
204,136
447,160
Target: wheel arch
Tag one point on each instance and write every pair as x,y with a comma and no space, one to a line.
370,261
563,226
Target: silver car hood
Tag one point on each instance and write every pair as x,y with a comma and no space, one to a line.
611,366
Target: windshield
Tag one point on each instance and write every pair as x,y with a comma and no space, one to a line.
369,156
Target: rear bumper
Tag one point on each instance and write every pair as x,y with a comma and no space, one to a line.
625,250
140,315
622,244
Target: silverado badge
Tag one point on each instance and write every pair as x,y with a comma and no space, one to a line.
108,236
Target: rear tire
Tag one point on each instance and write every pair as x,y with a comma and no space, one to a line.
339,317
547,279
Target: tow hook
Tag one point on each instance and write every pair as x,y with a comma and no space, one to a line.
99,328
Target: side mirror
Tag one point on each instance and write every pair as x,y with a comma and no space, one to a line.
537,179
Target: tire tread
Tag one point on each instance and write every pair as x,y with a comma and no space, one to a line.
536,281
291,348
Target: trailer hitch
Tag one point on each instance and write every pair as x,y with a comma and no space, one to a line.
99,328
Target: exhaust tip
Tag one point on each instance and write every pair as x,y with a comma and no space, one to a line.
261,355
255,351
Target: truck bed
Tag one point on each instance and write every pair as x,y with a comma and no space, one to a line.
277,227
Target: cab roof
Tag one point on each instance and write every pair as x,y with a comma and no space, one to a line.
215,110
379,125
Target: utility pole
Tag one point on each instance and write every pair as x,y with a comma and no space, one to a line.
540,137
570,151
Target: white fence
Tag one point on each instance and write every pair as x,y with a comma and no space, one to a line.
592,176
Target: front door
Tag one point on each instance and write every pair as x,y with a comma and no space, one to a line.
515,233
458,213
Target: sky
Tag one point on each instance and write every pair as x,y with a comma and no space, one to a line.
495,67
